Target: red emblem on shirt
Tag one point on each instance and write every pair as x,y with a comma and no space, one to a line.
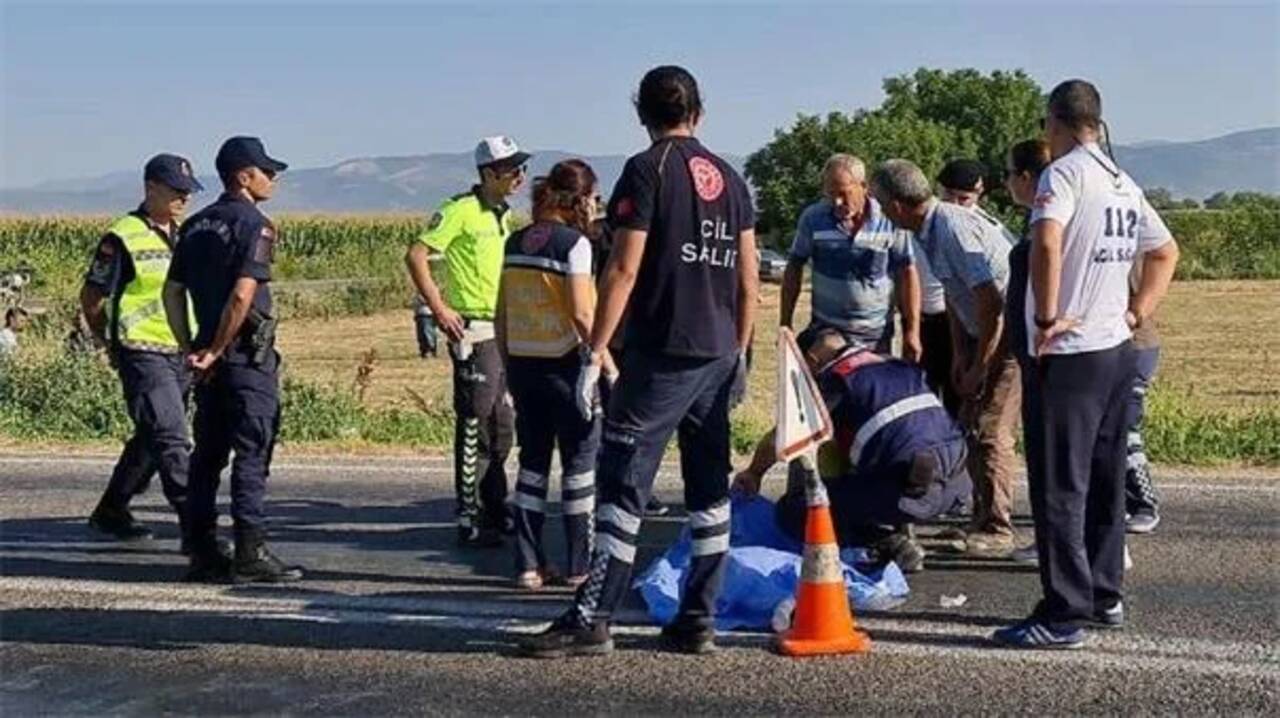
536,237
707,179
625,208
1044,199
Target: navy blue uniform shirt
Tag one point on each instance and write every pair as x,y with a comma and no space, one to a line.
884,412
693,206
221,243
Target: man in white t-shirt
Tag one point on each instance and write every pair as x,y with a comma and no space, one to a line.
1090,224
15,320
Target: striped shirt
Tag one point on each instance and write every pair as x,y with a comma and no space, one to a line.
966,249
535,283
852,275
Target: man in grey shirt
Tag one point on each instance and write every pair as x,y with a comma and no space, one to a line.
969,254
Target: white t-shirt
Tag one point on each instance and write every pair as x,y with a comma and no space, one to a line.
8,342
1107,225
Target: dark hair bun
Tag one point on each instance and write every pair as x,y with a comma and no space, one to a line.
668,97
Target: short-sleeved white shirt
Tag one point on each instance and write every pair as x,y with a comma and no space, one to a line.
1107,225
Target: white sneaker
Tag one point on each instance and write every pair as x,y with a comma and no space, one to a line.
1128,560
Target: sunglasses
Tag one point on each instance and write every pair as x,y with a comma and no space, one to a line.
516,171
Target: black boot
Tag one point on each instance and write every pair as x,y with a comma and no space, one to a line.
117,522
189,542
254,562
209,561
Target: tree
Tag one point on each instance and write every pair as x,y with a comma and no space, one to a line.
1218,200
1159,197
928,117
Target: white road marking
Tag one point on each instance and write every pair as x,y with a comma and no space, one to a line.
1128,651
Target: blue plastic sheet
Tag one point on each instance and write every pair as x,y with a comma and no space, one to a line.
763,570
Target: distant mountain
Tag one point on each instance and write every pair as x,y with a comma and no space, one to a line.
370,184
1247,160
1240,161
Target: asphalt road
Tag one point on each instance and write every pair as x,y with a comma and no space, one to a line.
394,619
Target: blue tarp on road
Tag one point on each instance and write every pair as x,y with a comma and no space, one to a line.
763,570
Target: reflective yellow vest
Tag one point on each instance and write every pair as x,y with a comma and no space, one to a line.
138,318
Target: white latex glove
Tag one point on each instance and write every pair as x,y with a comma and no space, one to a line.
588,390
738,390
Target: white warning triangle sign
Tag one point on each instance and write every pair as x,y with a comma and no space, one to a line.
802,419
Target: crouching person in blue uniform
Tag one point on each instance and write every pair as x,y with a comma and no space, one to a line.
897,455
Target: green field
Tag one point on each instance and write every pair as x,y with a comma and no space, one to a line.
344,296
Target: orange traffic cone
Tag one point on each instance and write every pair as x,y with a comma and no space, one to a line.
823,623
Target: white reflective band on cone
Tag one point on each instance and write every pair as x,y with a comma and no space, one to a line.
821,564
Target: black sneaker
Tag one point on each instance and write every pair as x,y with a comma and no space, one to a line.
119,524
655,507
696,640
1111,618
479,537
900,549
567,636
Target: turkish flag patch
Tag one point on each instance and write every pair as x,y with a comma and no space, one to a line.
707,179
264,250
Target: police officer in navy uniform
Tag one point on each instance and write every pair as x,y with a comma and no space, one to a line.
122,304
224,260
684,268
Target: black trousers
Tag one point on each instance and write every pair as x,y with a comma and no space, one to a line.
546,416
655,397
237,410
865,507
156,387
1076,447
483,430
935,337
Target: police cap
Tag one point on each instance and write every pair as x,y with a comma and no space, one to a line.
238,153
172,171
962,175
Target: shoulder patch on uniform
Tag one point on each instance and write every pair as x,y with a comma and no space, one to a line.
625,207
1044,199
436,220
707,179
264,248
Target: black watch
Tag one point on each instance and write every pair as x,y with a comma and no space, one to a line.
1045,323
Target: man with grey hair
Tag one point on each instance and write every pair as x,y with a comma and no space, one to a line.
969,254
859,258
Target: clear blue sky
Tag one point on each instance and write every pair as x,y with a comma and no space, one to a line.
90,88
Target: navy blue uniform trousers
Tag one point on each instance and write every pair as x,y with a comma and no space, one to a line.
237,411
546,416
656,396
869,505
156,387
1076,424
